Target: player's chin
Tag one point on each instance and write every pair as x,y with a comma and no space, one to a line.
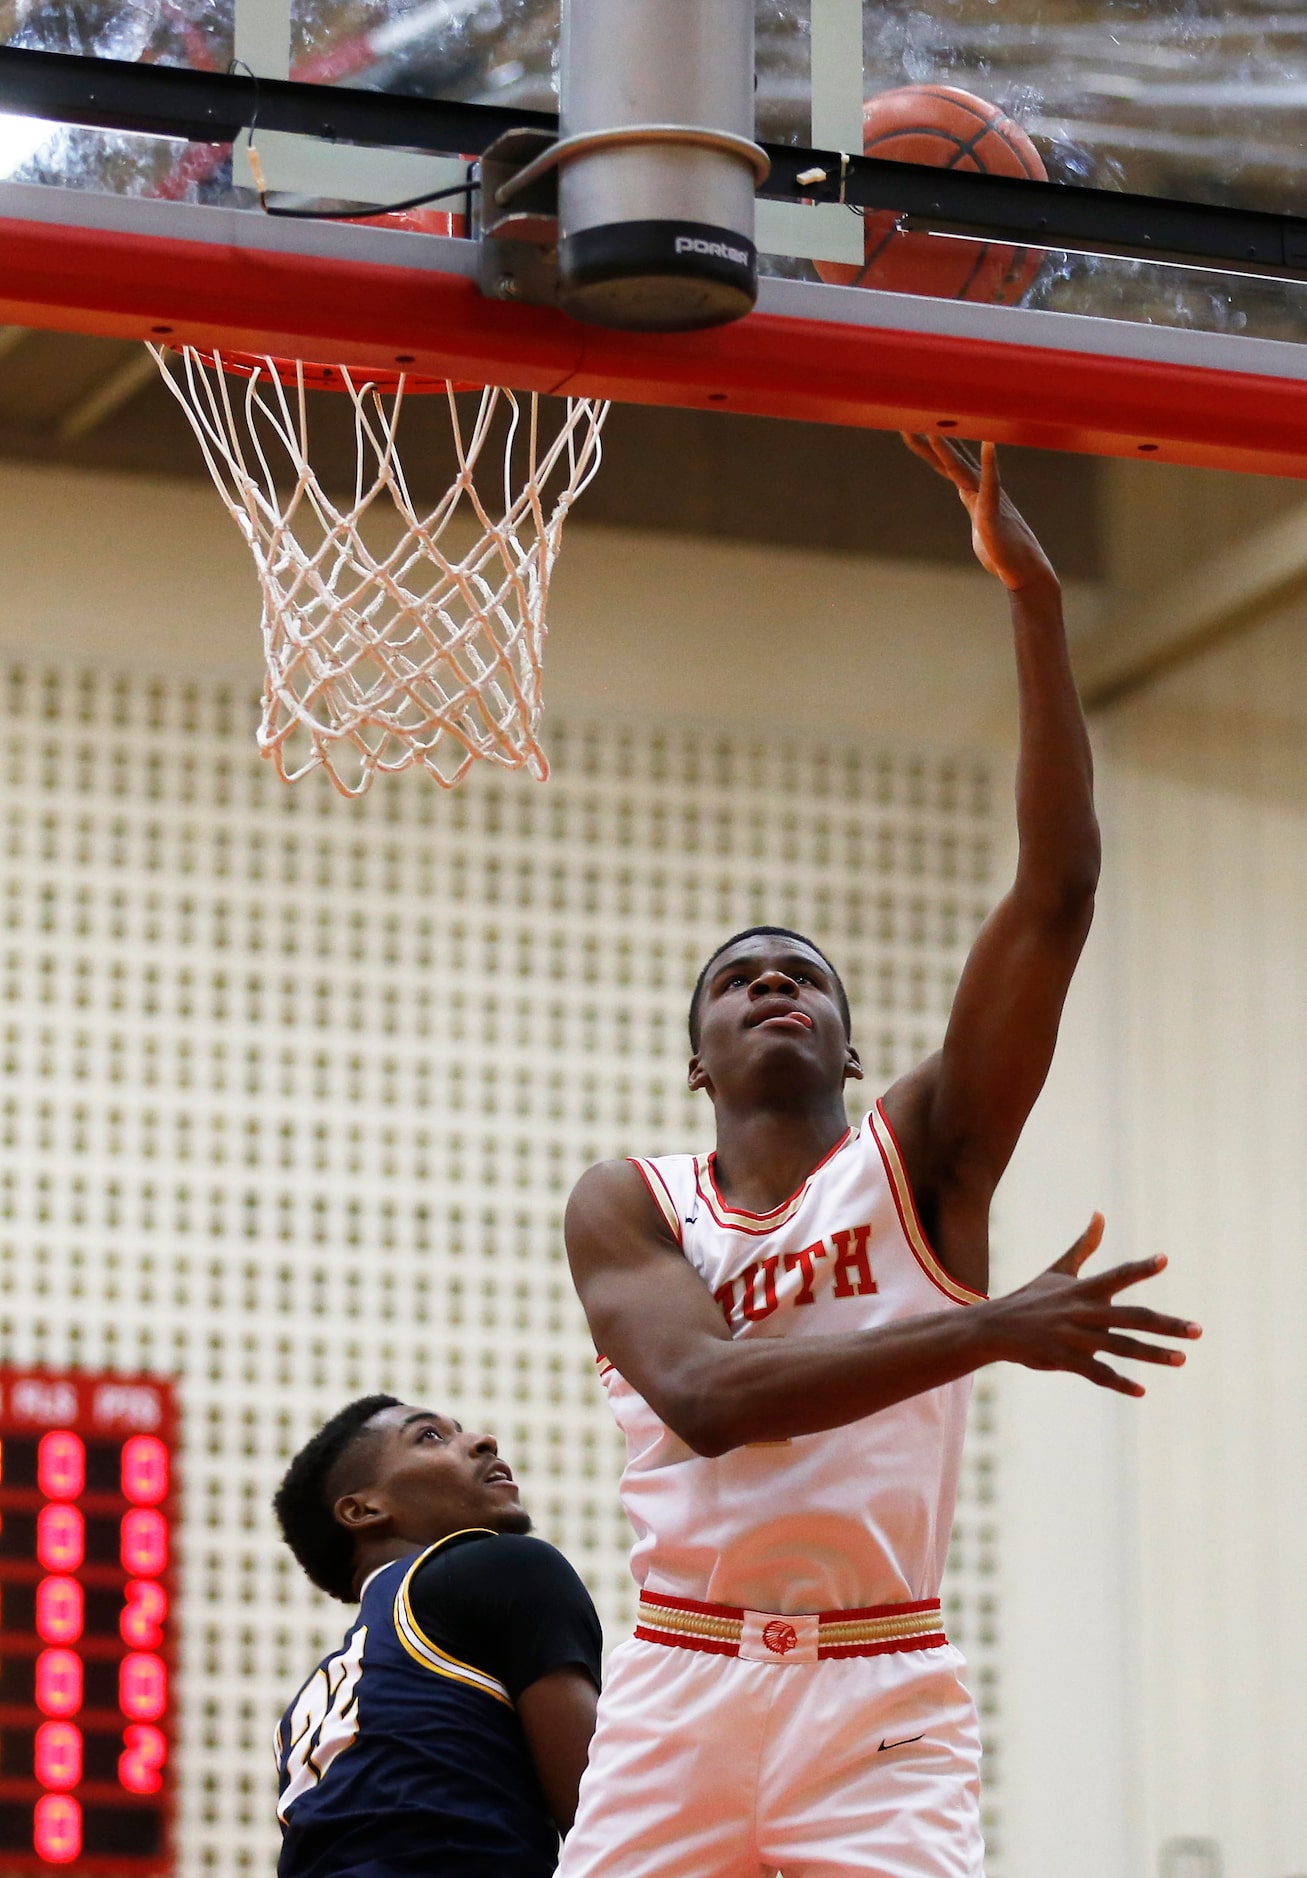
509,1519
795,1061
767,1056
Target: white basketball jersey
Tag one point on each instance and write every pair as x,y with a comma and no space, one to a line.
859,1515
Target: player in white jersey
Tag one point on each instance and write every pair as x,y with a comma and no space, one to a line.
788,1329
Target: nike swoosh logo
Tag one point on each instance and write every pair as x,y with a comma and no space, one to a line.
906,1742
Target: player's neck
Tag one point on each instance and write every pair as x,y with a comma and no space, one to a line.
765,1155
370,1558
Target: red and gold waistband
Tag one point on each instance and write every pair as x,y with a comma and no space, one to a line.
777,1637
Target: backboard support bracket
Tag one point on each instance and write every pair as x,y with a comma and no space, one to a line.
518,247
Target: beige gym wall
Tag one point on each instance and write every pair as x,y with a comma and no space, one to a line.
1154,1690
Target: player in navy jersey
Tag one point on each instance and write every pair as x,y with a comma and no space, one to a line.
446,1737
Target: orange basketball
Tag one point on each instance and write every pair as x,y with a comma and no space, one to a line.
952,130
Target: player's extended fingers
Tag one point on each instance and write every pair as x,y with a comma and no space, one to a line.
920,446
991,490
1141,1352
941,458
951,462
1085,1246
1108,1378
1120,1277
1156,1323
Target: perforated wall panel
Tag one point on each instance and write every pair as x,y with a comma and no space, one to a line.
294,1091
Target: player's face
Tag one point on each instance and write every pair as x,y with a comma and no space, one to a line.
770,1014
432,1477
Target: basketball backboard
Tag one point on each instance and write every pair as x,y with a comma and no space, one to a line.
133,235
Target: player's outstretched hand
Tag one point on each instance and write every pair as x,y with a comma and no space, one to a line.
1004,543
1063,1321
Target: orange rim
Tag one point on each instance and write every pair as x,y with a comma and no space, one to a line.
329,377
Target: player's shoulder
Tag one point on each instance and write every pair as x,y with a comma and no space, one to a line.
495,1560
479,1584
605,1177
633,1202
632,1171
611,1188
512,1608
531,1564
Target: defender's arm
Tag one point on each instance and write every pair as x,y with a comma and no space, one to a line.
655,1320
557,1713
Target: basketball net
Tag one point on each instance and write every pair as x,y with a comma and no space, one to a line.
392,650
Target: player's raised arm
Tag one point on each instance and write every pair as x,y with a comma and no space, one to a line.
958,1118
655,1320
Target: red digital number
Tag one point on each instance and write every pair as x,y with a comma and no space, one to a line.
141,1761
57,1828
60,1538
145,1470
144,1542
142,1687
59,1682
145,1606
60,1610
61,1465
57,1755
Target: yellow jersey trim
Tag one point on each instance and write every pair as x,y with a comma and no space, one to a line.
420,1647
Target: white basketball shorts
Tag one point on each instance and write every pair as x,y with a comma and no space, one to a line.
752,1755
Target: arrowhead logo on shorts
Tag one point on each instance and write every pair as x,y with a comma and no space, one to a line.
780,1638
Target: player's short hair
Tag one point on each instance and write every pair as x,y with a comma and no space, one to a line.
304,1508
765,932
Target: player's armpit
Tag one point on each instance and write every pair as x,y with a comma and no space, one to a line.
960,1117
558,1717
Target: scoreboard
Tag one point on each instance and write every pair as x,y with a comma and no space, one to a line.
86,1621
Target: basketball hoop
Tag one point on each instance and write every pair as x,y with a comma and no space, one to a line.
389,651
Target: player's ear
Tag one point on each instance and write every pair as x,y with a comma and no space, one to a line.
853,1070
698,1075
360,1512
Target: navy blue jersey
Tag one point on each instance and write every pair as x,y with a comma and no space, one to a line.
402,1756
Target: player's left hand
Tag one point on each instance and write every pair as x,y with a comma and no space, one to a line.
1003,541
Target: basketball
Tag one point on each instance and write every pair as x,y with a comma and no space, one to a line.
951,130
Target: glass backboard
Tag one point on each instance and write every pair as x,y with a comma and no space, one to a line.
1187,101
